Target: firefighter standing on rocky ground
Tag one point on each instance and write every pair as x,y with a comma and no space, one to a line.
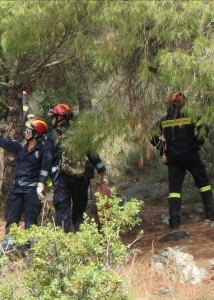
32,167
179,149
67,185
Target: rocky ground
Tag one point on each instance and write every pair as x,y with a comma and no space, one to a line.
195,236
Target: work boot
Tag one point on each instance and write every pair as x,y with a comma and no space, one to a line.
208,205
174,225
174,212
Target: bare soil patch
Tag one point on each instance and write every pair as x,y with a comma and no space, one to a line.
144,284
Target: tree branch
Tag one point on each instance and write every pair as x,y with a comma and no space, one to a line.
48,56
9,84
53,63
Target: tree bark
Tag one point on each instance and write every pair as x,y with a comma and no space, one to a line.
14,131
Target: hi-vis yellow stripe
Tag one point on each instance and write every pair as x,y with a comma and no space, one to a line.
176,122
29,125
40,121
25,108
174,195
205,188
30,116
66,106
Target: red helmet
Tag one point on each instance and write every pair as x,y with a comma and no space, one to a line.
62,109
37,124
175,96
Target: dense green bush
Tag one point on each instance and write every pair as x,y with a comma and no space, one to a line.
79,266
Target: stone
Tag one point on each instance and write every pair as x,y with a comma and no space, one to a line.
198,207
179,266
174,236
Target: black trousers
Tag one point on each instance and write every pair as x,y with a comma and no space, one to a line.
69,190
22,202
176,173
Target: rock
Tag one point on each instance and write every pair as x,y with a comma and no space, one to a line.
174,236
165,218
193,219
207,221
141,189
212,224
165,290
179,266
198,207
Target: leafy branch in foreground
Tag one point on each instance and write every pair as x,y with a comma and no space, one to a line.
83,265
90,130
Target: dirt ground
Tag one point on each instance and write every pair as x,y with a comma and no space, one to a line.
144,284
140,280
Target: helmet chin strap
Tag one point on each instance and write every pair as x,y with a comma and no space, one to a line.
56,122
59,122
30,139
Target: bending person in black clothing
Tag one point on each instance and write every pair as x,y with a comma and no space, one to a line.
180,147
69,187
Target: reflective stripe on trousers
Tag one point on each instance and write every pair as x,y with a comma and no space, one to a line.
205,188
174,195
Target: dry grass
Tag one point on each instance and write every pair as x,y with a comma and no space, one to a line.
143,284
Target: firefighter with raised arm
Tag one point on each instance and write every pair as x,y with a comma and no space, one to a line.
26,195
178,140
70,181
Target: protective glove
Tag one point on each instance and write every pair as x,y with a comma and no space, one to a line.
41,191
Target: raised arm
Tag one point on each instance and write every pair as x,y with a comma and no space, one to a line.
12,146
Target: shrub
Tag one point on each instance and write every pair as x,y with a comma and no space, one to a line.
80,266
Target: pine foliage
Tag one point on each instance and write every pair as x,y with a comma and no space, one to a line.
159,42
144,48
90,130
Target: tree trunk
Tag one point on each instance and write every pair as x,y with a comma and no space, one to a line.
14,131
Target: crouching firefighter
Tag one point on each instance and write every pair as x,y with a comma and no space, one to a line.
71,180
26,194
178,140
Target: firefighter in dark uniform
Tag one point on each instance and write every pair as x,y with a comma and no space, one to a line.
179,143
69,186
32,167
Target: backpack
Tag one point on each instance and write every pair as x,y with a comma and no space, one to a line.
75,168
81,168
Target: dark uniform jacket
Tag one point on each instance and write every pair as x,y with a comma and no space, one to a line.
31,166
180,140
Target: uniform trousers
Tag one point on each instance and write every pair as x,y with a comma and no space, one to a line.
176,173
70,192
22,202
